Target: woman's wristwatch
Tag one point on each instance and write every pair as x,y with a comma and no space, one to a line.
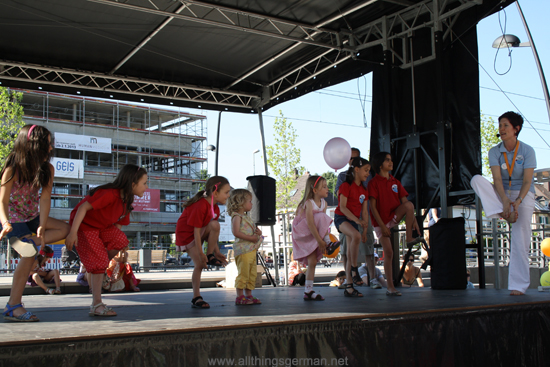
520,198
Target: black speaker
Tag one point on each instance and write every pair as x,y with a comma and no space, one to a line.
448,263
263,200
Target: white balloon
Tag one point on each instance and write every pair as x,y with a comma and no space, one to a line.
337,153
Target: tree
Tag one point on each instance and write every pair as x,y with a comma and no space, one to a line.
331,180
11,120
489,139
283,158
203,175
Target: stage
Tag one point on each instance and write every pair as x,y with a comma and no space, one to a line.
423,327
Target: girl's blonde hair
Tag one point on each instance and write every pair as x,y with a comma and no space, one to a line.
237,199
313,182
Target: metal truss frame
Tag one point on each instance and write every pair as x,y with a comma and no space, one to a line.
335,48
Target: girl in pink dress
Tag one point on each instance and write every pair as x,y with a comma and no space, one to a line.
310,231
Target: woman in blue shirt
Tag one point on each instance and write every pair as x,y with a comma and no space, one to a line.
512,196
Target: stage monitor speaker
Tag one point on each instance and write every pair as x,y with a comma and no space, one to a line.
263,200
448,245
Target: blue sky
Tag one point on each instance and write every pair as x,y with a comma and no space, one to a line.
337,111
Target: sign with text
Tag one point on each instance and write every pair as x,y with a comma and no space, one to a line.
68,168
82,142
149,203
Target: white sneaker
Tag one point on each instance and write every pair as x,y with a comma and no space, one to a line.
374,284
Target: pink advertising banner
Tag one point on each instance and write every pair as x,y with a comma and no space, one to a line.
150,202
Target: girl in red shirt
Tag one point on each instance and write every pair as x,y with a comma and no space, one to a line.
351,213
199,223
96,224
388,205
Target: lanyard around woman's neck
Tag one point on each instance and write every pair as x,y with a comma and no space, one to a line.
511,168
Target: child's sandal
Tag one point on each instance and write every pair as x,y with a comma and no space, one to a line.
355,292
355,276
309,296
213,260
255,301
243,301
198,302
25,247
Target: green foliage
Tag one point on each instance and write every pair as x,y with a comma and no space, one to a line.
331,180
11,120
489,130
203,175
283,158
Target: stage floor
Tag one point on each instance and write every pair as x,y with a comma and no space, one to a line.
65,317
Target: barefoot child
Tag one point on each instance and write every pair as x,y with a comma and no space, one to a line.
248,239
26,171
388,205
310,231
199,223
351,213
40,275
96,224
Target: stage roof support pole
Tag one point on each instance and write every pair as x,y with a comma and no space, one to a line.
275,252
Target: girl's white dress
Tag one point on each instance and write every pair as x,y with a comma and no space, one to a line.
303,242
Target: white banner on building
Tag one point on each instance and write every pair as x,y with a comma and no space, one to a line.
82,142
69,168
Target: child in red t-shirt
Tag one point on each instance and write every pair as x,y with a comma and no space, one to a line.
351,213
199,223
388,205
96,224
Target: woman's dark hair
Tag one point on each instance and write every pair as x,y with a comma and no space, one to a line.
378,160
213,184
355,162
128,175
30,157
40,258
515,119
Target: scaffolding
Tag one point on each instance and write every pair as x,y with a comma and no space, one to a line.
169,144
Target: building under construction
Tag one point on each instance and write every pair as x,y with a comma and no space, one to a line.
94,138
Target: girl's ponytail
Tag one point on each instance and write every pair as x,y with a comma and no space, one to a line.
214,183
355,162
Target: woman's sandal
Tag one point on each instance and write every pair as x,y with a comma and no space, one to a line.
198,302
355,276
50,291
25,247
355,292
213,260
243,301
255,301
25,317
107,311
309,296
57,291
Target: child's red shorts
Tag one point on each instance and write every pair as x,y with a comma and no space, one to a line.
93,245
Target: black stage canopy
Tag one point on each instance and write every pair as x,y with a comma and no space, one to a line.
235,55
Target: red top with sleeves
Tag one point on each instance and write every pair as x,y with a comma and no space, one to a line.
356,195
198,215
388,193
108,209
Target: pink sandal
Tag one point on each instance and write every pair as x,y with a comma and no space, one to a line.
255,301
243,301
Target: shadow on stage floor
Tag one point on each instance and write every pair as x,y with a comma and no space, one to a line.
435,328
